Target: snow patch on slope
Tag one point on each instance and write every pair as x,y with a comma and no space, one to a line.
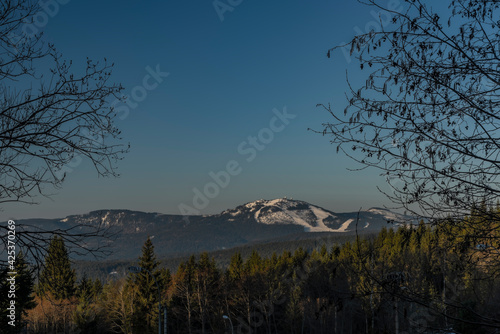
104,220
385,213
321,215
284,211
256,216
345,226
287,211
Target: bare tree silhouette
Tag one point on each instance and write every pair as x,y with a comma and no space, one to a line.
51,118
428,114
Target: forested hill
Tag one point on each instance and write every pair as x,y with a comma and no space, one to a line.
259,221
116,269
421,279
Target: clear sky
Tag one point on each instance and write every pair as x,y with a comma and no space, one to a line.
228,71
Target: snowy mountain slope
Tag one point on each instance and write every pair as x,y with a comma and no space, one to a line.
283,211
258,221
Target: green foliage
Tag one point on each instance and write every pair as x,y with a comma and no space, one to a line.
57,278
146,291
424,278
87,316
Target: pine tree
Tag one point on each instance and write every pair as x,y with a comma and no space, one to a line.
235,268
97,287
86,317
57,278
145,318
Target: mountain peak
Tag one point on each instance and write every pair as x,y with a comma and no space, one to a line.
388,214
276,201
287,211
257,221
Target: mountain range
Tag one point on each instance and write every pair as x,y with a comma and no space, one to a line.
258,221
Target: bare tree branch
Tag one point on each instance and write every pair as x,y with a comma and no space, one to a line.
427,115
51,118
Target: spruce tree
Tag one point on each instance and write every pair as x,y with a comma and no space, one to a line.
85,317
235,268
57,278
145,318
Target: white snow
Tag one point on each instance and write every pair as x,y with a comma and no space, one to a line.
300,221
253,204
310,217
386,213
257,214
286,216
274,201
104,219
320,214
344,226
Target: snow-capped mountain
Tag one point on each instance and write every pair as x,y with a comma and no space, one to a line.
284,211
258,221
312,218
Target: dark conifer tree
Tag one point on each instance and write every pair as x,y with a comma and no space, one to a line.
85,316
57,279
145,318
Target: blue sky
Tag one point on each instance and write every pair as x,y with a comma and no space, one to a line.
225,79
